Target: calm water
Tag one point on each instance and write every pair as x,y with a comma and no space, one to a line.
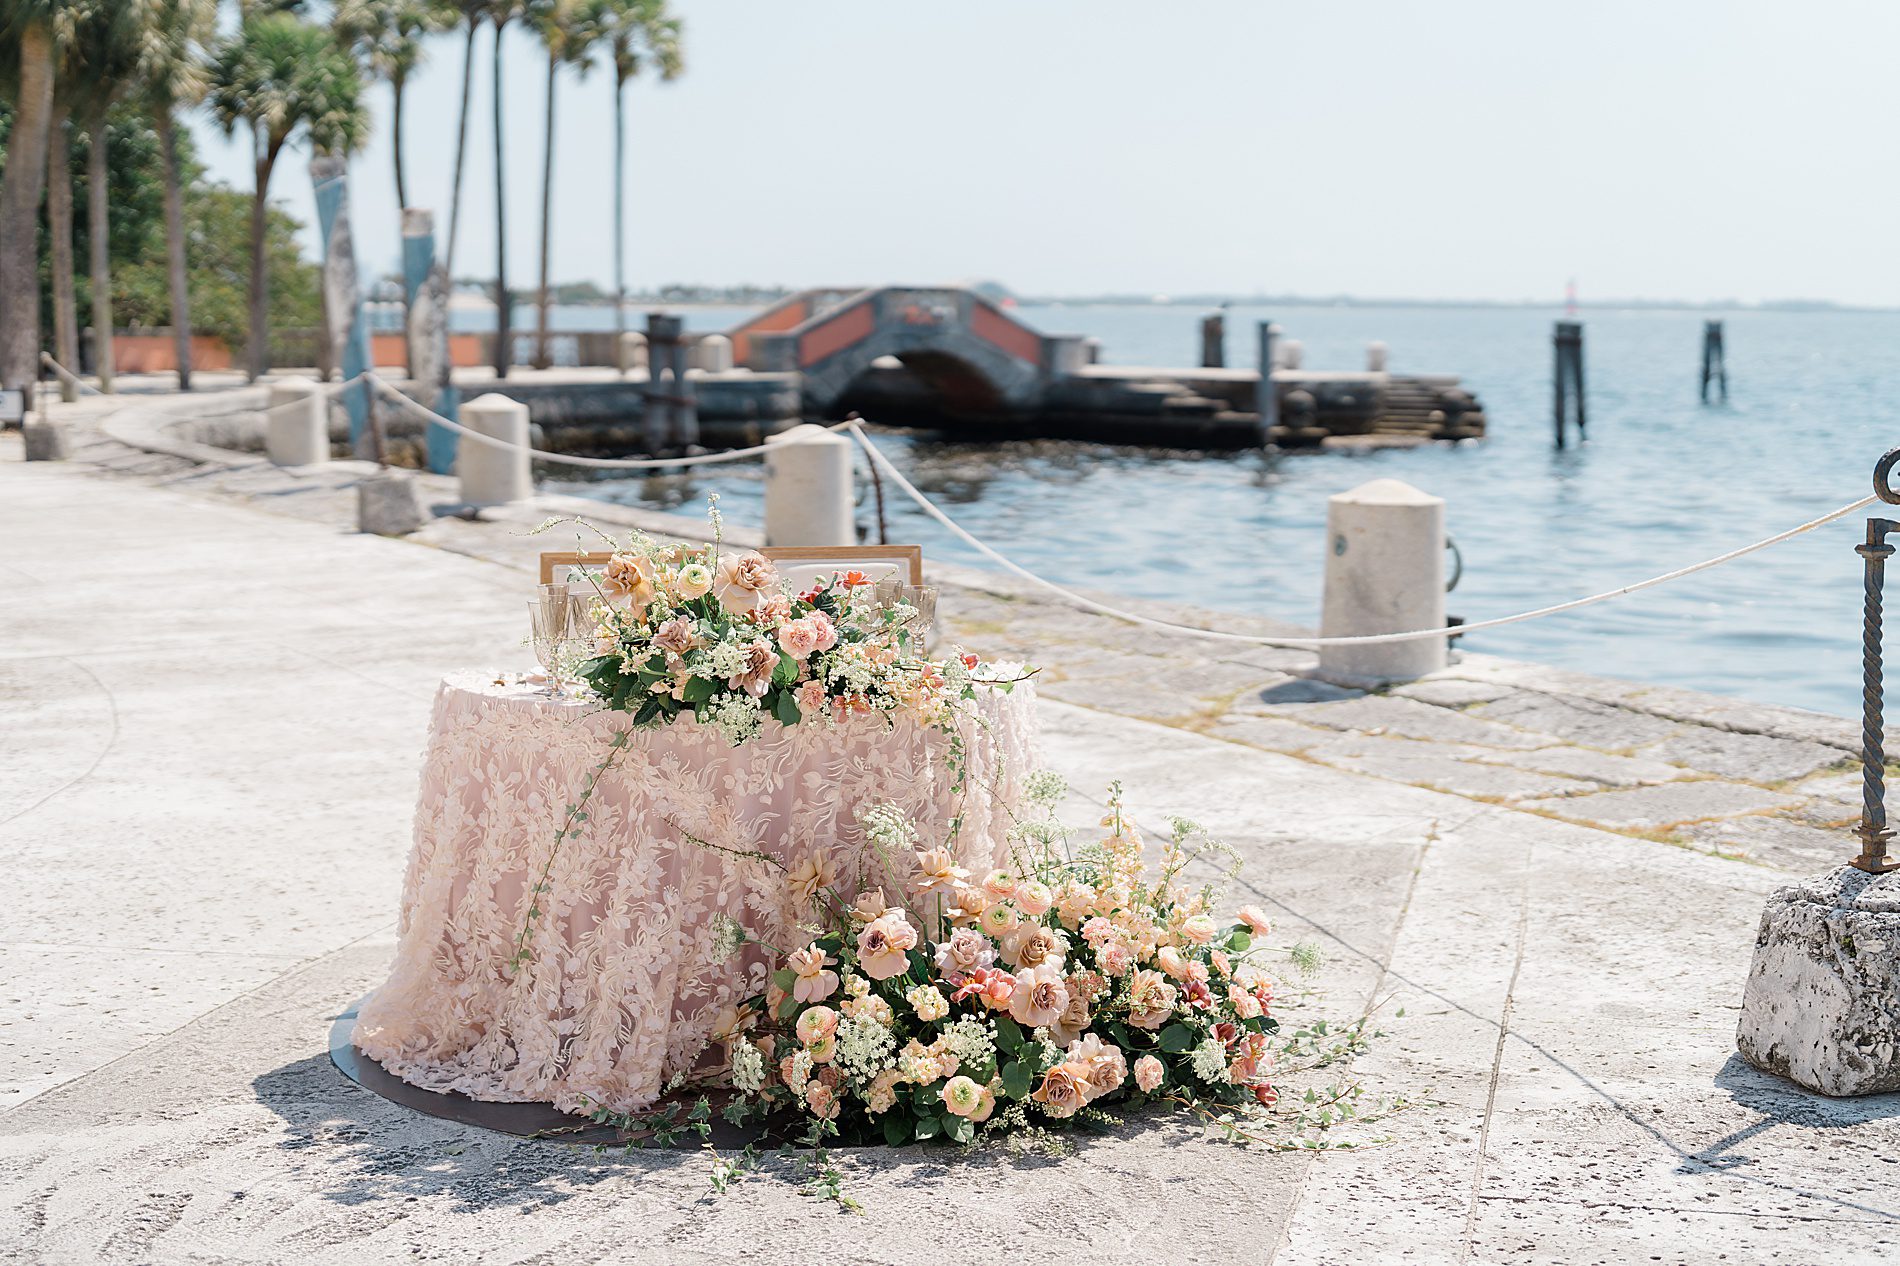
1662,482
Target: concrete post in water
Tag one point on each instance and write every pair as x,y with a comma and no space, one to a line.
1064,355
343,303
1385,573
1266,397
492,475
1214,340
632,351
426,332
1567,379
1292,353
297,426
714,354
672,418
809,489
1375,357
1714,362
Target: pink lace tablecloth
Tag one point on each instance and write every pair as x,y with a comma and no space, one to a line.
623,984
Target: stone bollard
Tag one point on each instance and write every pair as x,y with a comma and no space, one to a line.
1375,357
713,354
45,439
808,488
1822,1003
1292,353
1385,573
492,475
633,351
387,504
297,428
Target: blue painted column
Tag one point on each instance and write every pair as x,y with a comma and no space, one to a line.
426,331
348,327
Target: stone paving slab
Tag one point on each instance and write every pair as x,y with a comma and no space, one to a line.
1750,757
1408,718
1646,807
1445,767
1579,721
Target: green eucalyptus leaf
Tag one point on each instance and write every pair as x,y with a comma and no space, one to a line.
1177,1038
1016,1079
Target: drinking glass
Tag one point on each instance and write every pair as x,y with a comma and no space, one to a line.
924,599
549,618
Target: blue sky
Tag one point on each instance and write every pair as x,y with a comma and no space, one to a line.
1696,149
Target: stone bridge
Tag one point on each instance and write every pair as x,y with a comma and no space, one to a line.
973,354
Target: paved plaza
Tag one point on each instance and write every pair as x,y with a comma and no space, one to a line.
213,698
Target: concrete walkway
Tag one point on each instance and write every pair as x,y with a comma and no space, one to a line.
212,698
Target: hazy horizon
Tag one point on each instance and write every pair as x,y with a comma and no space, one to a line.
1482,152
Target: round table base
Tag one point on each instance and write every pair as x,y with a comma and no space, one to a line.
523,1120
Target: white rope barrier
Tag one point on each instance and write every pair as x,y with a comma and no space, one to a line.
877,456
570,459
59,369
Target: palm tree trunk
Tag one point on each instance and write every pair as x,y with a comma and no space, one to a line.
21,184
461,151
59,223
257,351
175,245
395,139
504,305
541,358
620,217
99,228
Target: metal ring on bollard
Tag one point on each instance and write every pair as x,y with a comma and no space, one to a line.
1457,563
1882,468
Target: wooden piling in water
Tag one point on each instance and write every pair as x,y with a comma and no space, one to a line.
1213,340
1714,362
1567,380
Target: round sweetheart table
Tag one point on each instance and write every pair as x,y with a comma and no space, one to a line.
622,984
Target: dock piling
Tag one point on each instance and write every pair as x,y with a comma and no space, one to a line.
1213,340
1266,399
1714,362
1567,380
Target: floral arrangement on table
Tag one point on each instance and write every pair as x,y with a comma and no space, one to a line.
693,629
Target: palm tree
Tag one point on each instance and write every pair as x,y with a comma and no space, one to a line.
26,65
67,80
569,29
387,36
172,73
473,14
638,33
501,12
280,76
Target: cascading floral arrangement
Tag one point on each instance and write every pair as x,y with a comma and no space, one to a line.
963,1004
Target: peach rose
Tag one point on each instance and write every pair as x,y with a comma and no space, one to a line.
678,635
965,952
822,1100
1199,930
937,871
1150,999
811,874
1245,1005
629,576
1148,1073
1116,958
814,983
870,905
755,676
969,905
826,631
744,582
884,946
1060,1093
1033,945
1074,1020
1039,997
1255,920
798,638
985,1105
1169,959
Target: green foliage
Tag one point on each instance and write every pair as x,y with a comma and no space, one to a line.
217,238
283,76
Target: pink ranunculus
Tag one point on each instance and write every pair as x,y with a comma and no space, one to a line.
1148,1073
1256,921
1171,961
1040,996
1116,958
816,1023
1034,897
999,885
825,630
884,946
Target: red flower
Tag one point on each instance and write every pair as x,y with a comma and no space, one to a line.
970,661
854,579
1227,1032
1266,1096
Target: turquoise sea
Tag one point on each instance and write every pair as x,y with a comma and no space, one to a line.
1661,482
